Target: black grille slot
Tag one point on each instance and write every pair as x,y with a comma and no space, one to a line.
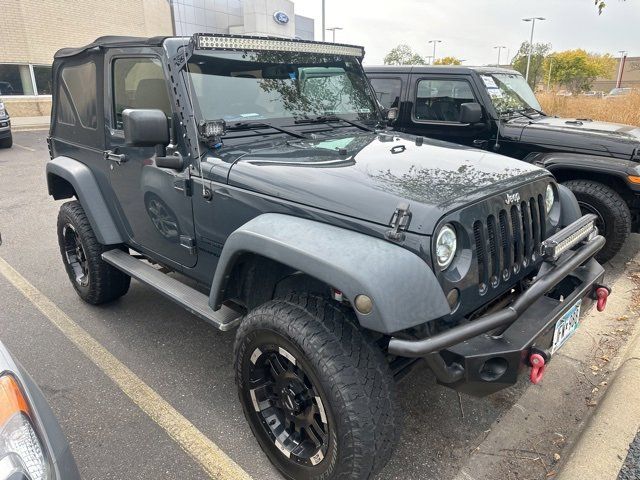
494,241
517,238
527,234
543,216
481,254
507,244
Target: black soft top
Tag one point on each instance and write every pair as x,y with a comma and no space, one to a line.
444,69
111,41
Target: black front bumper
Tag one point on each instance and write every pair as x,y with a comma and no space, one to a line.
473,358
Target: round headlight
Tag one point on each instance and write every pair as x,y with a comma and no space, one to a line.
549,198
446,244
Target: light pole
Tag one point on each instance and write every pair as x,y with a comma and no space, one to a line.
623,56
323,28
429,59
499,48
533,26
333,30
435,42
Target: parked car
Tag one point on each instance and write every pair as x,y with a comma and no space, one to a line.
32,445
597,161
343,252
6,138
564,93
620,92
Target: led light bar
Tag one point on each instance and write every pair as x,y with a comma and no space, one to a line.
567,238
233,42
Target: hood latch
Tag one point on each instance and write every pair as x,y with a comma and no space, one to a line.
399,222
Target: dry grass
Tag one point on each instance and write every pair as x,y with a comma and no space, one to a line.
618,110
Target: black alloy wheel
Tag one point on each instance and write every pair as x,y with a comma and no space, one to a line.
74,255
288,404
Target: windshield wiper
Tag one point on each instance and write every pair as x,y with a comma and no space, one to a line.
518,112
257,124
334,118
539,112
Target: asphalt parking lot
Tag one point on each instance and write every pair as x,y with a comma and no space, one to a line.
181,358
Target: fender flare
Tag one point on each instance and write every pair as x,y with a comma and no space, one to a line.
403,287
89,195
612,166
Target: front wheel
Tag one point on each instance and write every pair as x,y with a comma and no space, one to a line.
6,142
614,217
317,394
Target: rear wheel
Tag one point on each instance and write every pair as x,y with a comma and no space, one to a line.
614,217
316,392
95,280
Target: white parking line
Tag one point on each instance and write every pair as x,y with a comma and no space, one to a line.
22,146
212,459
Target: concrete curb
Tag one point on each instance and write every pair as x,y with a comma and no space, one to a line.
602,447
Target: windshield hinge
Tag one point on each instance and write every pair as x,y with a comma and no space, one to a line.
183,185
399,222
189,243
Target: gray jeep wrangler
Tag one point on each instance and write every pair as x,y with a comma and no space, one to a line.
261,169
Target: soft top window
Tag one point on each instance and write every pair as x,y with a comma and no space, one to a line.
80,83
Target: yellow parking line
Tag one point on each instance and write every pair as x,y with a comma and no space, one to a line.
212,459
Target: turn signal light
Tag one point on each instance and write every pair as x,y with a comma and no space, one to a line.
633,178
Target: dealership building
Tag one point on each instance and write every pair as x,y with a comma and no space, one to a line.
33,30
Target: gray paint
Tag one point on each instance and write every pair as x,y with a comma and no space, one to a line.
89,195
569,207
404,290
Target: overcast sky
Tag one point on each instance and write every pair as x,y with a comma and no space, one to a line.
470,28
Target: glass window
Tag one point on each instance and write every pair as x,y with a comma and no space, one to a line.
440,100
15,80
80,81
139,83
64,113
42,75
388,91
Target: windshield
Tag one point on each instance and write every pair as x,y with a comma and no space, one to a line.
510,92
243,86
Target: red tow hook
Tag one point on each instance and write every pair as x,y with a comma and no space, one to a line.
538,367
602,293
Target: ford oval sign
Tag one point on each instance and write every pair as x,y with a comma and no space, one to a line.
281,18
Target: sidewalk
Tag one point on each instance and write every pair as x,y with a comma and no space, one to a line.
601,450
20,124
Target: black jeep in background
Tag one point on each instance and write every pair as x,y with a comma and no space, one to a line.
6,139
495,109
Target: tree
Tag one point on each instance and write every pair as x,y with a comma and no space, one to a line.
600,4
538,55
447,61
403,55
576,70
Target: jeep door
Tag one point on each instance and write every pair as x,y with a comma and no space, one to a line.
434,102
152,202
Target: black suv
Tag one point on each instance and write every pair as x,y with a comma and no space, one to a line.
343,252
495,109
6,139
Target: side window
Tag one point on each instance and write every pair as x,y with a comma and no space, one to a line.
388,91
65,111
440,99
80,81
138,83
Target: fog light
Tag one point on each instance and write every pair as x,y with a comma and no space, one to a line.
364,304
452,297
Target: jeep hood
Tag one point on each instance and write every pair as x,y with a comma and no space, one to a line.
589,136
366,176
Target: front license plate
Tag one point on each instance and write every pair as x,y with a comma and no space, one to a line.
566,326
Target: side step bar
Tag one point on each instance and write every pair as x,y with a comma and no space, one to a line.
190,299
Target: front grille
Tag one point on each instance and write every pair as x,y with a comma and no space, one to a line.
507,241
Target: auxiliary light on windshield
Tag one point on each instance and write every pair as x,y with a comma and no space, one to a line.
233,42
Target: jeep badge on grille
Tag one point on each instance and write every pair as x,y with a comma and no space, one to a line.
512,198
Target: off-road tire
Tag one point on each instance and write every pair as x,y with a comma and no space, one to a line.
595,197
104,283
6,142
355,383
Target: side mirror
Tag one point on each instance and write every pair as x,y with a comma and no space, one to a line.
145,127
392,115
470,113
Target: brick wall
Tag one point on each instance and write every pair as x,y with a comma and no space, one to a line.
34,29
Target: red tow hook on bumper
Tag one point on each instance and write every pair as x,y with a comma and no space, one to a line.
538,367
602,293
